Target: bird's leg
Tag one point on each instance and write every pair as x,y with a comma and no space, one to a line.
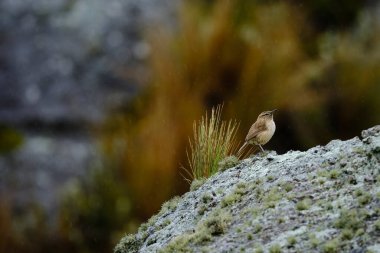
261,148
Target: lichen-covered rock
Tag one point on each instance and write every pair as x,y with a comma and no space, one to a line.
326,199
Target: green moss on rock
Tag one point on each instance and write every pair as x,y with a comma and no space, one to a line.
128,243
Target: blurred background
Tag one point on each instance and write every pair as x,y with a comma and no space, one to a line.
98,98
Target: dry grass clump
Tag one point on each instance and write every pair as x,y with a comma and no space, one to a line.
213,140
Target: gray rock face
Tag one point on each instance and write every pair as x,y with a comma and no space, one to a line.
326,199
63,66
63,60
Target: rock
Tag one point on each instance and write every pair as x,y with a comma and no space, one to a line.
65,61
64,65
320,200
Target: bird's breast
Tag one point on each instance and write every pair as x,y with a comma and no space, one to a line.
265,136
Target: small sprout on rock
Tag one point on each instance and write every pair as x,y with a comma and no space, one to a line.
259,193
358,192
206,198
275,248
255,212
329,206
202,209
151,241
352,180
314,242
364,199
322,173
347,234
273,195
334,174
250,237
241,185
228,162
240,191
303,204
313,237
349,219
331,246
281,220
165,223
257,228
230,199
291,240
197,183
359,232
270,204
179,244
128,243
259,249
170,205
378,179
217,222
270,178
202,236
288,186
290,196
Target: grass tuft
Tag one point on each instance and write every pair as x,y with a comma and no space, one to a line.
213,140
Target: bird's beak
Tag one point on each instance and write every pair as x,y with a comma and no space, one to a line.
273,111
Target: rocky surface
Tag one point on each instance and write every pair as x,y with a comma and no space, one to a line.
70,61
326,199
63,66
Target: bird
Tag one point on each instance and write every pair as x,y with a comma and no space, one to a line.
261,131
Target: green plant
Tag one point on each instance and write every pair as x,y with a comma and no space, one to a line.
291,240
228,162
128,243
314,242
213,140
217,222
259,249
196,183
347,234
288,186
257,228
275,248
230,199
334,174
331,246
364,199
303,205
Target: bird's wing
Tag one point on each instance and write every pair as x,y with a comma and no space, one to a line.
255,129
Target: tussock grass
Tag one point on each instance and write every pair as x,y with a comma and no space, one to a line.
213,140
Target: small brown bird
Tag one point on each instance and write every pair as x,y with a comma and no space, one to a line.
261,131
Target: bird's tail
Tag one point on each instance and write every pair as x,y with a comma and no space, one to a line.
239,153
243,152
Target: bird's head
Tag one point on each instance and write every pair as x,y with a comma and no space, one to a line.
266,114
